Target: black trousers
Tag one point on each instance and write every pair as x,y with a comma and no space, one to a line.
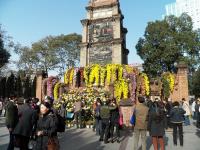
11,142
112,127
198,120
178,127
105,129
22,142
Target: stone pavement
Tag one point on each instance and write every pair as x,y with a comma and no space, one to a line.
85,139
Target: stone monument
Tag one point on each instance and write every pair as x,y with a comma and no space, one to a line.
104,37
40,76
181,84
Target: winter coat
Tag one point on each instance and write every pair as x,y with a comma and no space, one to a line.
141,115
47,124
27,118
11,115
186,107
197,107
77,106
168,108
62,111
114,116
157,121
193,106
177,115
97,112
105,111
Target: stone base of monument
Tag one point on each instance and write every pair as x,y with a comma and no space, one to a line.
126,107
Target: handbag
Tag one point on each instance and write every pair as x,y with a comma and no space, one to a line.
31,144
70,115
53,144
121,120
132,120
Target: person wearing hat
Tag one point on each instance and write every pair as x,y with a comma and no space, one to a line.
46,128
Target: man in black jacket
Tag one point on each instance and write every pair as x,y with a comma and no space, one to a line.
11,120
114,121
23,129
177,119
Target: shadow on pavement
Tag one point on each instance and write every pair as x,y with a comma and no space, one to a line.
95,145
77,139
198,132
125,134
85,139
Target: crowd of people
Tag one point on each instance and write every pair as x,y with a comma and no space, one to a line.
39,121
157,116
32,121
150,116
106,115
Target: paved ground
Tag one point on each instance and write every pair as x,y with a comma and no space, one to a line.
85,139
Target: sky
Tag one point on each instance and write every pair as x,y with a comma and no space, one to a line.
28,21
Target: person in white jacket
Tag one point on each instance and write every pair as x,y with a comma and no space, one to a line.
186,107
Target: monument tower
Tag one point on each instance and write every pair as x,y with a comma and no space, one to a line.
104,37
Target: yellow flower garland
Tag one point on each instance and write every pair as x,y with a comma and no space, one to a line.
128,69
113,72
120,72
171,80
121,87
108,74
102,76
125,89
118,90
56,92
146,83
71,76
94,74
85,74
